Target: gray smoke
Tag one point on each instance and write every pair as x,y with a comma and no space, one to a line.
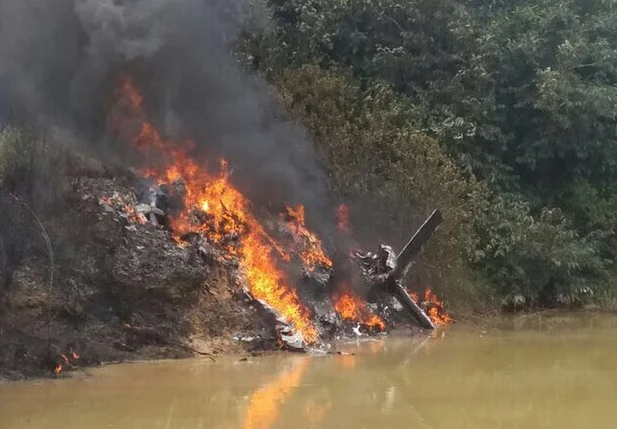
129,30
60,60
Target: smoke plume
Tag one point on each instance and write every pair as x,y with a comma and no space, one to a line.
60,60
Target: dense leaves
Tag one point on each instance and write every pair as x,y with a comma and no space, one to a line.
521,95
391,175
541,259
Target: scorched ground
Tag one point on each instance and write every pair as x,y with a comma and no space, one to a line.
170,260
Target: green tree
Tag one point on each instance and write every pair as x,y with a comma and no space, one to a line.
521,95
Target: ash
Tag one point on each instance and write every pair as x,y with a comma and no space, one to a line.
131,289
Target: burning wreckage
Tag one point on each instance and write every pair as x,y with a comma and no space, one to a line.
172,260
205,212
334,310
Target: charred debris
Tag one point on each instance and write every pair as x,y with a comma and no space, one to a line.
135,288
170,260
388,304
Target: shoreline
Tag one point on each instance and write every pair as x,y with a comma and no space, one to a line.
545,320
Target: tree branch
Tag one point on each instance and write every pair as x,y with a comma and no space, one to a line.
50,255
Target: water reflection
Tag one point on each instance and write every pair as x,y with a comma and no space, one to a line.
346,362
469,379
315,411
263,407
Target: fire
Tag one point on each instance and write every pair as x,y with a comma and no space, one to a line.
311,252
352,308
125,209
266,283
216,209
434,307
264,404
413,295
66,357
342,215
436,311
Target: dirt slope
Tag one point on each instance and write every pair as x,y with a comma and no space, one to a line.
120,291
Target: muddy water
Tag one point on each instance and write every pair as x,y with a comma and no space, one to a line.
560,373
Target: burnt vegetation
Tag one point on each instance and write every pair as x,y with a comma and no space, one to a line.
500,114
101,272
106,291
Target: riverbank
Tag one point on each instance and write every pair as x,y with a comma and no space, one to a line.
107,264
91,276
111,290
104,349
526,377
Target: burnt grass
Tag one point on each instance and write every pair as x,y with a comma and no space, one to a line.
121,291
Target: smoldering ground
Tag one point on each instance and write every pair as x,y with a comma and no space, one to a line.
60,62
107,286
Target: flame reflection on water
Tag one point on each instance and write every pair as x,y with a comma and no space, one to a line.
471,379
264,404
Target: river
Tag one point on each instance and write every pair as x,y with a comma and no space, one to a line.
524,373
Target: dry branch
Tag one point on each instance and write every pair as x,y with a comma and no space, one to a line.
50,255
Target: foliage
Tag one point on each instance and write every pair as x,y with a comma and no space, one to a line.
521,95
541,259
376,158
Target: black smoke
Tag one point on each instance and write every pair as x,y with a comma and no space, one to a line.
61,59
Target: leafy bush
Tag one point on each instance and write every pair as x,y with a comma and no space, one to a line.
521,95
542,259
395,174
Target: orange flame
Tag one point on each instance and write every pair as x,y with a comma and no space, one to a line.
352,308
434,307
263,408
220,212
311,252
436,310
342,215
413,295
66,357
125,209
